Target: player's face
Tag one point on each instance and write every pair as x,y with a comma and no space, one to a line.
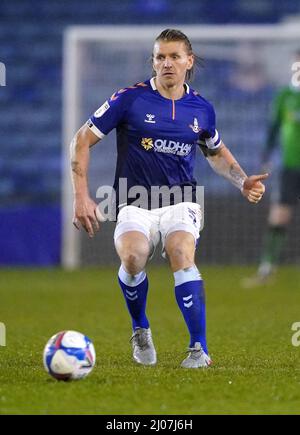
171,62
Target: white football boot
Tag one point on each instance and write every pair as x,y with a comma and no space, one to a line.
143,348
196,358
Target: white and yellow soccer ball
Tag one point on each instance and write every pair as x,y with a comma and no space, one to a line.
69,355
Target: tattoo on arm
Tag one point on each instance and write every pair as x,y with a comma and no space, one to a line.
224,163
237,175
77,169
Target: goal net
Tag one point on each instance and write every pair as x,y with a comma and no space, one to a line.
243,68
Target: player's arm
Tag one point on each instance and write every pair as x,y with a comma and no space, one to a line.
98,125
223,162
84,206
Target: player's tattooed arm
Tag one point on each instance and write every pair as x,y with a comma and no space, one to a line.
84,206
224,163
83,140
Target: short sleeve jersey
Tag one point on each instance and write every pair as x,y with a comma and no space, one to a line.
157,137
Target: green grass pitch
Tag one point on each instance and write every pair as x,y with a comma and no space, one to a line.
256,368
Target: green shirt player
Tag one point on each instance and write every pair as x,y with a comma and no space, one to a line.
285,123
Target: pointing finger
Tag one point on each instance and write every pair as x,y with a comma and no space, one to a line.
259,177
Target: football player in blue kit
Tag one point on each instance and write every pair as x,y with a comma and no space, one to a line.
159,123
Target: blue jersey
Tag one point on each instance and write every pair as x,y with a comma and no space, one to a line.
156,137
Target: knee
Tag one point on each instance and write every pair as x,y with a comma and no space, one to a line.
180,256
177,251
134,259
132,263
133,250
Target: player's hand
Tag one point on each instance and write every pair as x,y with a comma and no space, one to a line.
253,188
85,215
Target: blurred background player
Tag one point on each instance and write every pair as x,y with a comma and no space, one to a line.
284,129
149,117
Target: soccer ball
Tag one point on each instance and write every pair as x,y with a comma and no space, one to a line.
69,355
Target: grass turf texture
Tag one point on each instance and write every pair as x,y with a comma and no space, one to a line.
256,368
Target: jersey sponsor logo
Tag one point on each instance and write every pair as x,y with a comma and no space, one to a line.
166,146
102,110
147,143
150,118
195,127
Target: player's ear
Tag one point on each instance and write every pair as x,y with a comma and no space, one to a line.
152,63
191,59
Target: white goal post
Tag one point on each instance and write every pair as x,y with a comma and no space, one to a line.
89,55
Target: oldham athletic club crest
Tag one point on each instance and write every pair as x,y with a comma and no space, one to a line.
195,127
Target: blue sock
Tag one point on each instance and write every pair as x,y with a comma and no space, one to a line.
190,296
135,289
